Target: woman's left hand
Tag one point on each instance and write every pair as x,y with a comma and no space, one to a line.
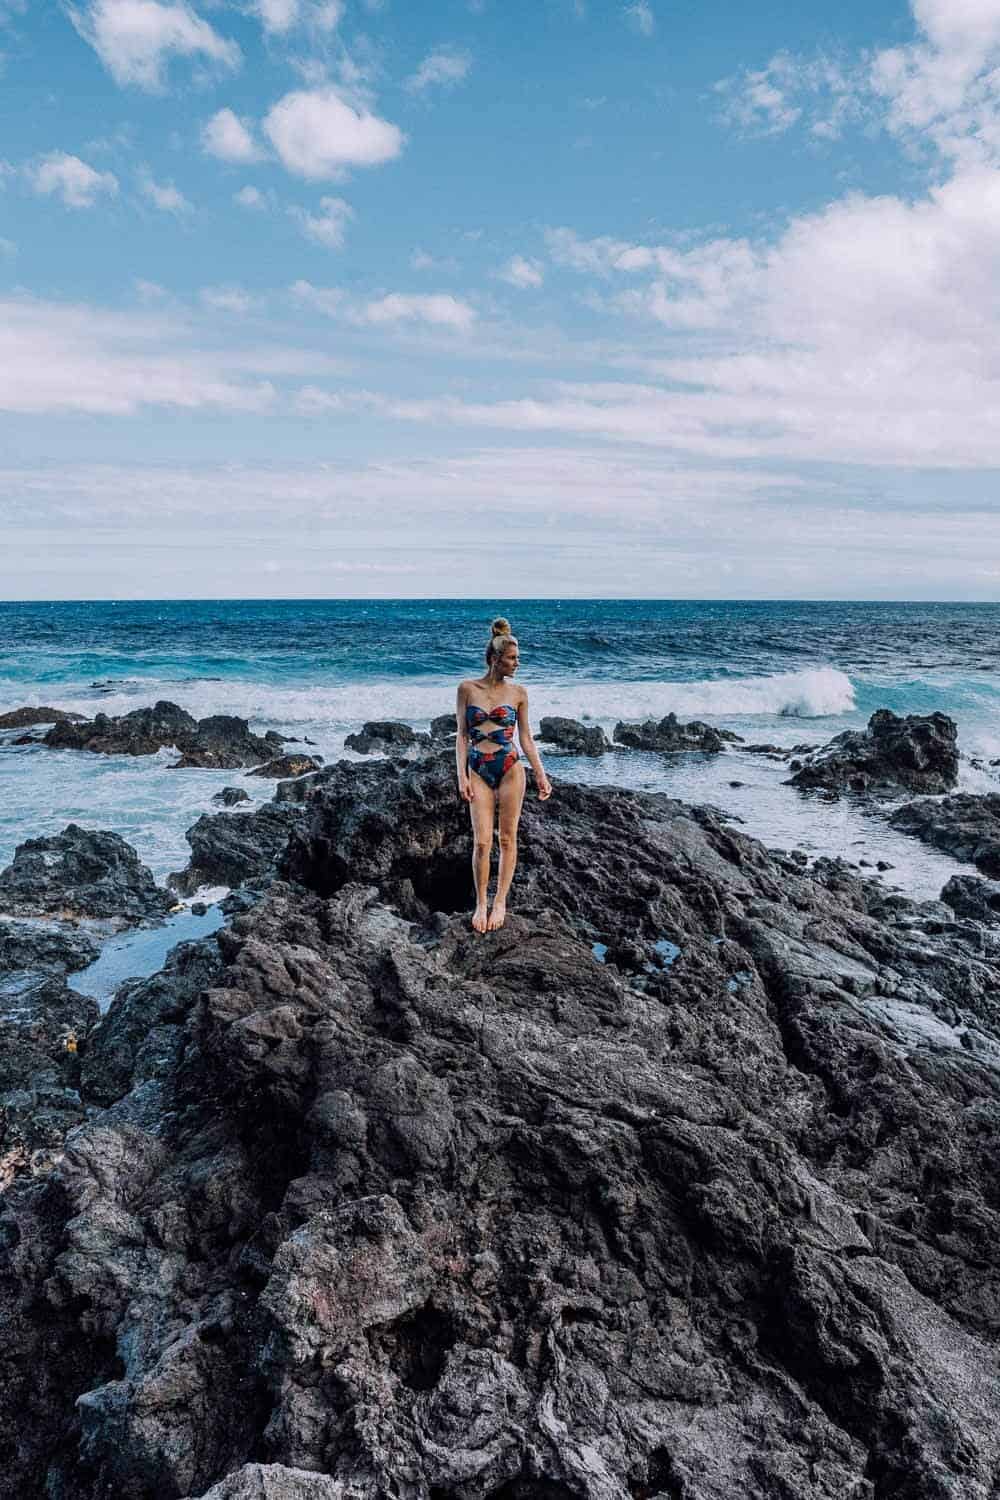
544,788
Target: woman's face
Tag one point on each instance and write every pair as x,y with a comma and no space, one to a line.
508,661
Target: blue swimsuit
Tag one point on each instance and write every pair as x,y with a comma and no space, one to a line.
491,752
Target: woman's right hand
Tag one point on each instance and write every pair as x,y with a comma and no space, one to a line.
465,787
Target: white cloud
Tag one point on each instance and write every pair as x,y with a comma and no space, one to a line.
319,135
327,15
149,291
229,299
420,260
522,273
135,39
229,138
641,17
443,68
164,195
250,197
8,249
329,300
439,309
278,15
61,357
329,226
72,180
824,93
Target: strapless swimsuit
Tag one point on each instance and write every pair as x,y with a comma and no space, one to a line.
491,752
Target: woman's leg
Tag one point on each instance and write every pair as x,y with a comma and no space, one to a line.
481,811
510,797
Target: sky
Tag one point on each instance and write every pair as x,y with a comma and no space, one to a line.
499,298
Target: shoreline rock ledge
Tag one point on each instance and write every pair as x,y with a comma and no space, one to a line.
682,1184
893,754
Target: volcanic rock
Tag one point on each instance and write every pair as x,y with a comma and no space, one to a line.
235,848
80,872
917,754
219,742
401,1210
444,727
287,765
385,737
669,734
24,718
968,896
230,796
574,737
964,825
44,947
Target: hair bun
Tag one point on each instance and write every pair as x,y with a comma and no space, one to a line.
500,626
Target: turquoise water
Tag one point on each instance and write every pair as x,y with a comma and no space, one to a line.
778,672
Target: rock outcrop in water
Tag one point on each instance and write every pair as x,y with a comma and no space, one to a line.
965,826
221,742
669,734
387,737
684,1183
80,872
26,718
916,754
572,736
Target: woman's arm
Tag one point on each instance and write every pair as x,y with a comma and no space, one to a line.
528,746
462,744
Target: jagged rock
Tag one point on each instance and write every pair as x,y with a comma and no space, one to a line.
219,742
287,765
968,896
669,734
385,736
141,732
44,947
230,796
80,872
224,743
709,1214
24,718
235,848
576,738
917,754
964,825
444,727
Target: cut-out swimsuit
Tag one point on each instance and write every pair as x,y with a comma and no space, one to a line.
491,752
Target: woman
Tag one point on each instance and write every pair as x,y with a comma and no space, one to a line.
490,771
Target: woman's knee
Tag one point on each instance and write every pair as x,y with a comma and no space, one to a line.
508,840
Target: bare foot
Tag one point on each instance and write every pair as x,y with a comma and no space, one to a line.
497,916
479,918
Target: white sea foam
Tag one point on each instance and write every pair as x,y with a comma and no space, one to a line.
337,708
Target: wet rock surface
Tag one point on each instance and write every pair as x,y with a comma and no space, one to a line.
287,765
686,1182
80,872
231,796
387,737
572,736
235,848
219,742
669,734
918,753
964,825
25,718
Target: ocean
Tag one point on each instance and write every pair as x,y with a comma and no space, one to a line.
785,673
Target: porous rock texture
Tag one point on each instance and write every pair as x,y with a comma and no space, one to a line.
287,765
684,1183
24,718
80,872
893,754
219,742
669,734
572,736
387,737
965,825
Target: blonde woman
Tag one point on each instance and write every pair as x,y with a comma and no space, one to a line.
490,770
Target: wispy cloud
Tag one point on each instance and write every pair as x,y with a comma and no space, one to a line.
229,138
521,272
441,69
329,226
641,18
136,39
78,184
438,309
164,195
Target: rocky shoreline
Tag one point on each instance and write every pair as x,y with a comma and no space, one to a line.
684,1183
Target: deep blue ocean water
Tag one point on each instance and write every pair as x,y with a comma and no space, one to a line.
782,672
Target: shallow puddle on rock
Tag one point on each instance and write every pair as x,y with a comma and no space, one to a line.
137,954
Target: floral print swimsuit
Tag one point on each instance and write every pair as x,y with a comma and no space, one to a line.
491,751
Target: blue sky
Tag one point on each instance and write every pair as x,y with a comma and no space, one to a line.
354,298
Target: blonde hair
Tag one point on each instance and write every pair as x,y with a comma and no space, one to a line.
500,639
